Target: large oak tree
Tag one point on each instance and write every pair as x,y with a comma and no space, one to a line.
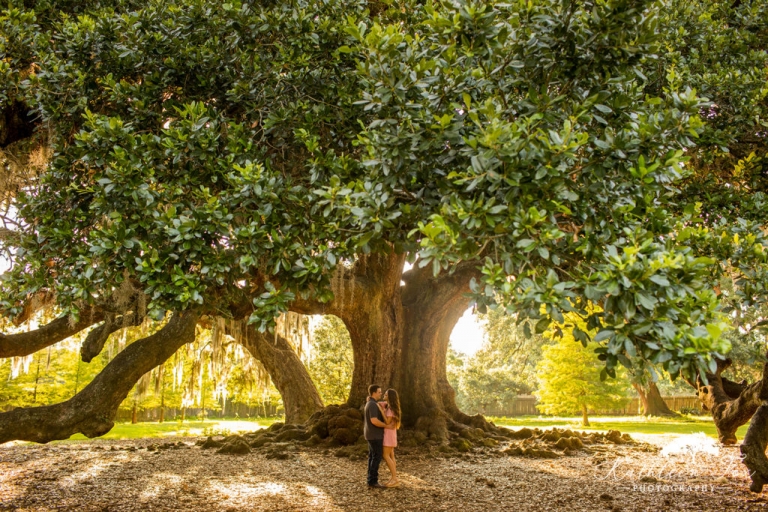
246,159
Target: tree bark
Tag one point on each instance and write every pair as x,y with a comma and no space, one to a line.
400,325
162,404
300,396
653,403
25,343
753,449
729,410
432,306
94,342
367,299
92,410
584,417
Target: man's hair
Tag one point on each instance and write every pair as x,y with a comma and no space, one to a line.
372,389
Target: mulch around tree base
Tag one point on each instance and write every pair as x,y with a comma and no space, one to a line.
177,475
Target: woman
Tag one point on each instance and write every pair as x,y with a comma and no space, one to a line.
391,412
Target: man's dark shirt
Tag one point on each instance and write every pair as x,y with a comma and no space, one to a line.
371,431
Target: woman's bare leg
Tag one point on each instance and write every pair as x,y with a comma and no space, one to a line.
394,466
389,457
390,462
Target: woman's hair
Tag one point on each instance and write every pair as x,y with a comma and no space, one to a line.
394,405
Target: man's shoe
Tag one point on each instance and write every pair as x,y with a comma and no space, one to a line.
376,486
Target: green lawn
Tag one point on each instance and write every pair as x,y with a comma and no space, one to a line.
629,424
188,428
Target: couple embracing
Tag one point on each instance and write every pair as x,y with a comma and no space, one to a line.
382,419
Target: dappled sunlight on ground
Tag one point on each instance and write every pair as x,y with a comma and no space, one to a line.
220,427
691,444
133,475
157,484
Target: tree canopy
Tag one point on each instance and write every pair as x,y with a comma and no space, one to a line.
212,157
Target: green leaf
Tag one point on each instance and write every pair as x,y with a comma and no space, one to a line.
603,335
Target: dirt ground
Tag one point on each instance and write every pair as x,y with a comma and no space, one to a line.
123,475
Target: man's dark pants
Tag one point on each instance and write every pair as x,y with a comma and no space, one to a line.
375,452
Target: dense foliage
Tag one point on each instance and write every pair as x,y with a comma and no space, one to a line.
216,154
569,381
331,360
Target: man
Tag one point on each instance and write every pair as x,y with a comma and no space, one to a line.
374,434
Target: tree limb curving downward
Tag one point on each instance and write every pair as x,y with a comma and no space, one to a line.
91,411
94,342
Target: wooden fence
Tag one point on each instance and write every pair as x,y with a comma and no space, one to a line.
526,405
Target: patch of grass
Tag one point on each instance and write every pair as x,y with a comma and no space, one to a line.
223,426
629,424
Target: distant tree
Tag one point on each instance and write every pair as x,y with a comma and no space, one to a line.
502,369
331,362
513,345
569,380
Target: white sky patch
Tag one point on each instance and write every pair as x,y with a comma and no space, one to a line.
468,335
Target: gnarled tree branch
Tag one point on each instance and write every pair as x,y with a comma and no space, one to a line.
299,393
25,343
92,410
94,342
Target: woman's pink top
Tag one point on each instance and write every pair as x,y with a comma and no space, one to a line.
390,433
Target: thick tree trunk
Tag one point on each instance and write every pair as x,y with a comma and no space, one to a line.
431,306
584,417
369,300
653,403
400,325
300,396
92,410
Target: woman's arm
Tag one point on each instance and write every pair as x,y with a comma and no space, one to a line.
387,419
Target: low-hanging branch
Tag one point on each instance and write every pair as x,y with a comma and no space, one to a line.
91,411
26,343
94,342
731,404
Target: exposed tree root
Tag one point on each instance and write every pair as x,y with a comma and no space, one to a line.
554,443
92,410
341,428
